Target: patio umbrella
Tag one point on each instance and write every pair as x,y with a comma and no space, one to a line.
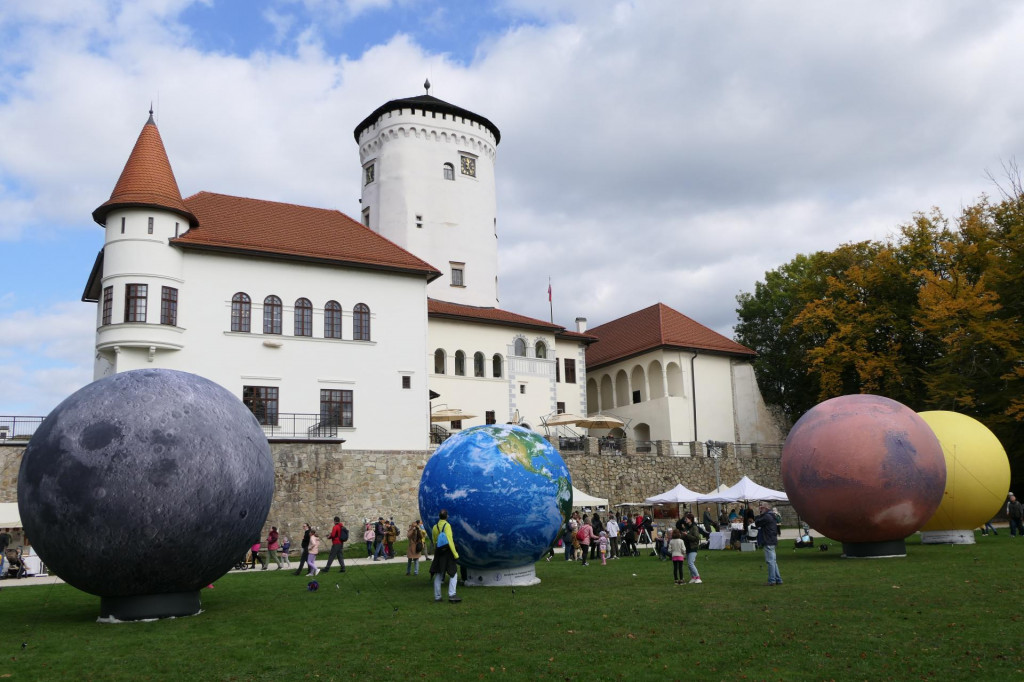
601,421
564,419
449,415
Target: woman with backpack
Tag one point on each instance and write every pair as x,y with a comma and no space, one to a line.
584,534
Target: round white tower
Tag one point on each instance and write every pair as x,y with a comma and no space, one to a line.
138,276
428,186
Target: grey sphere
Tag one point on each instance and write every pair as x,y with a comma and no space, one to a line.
146,482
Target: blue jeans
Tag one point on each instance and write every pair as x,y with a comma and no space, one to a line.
691,563
380,551
773,568
1016,527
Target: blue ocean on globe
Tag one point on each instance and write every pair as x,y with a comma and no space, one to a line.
507,492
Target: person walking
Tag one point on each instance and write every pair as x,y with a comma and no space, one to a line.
677,548
1015,511
338,536
612,528
584,534
446,558
254,555
306,530
768,526
602,546
595,530
273,545
415,550
379,534
691,540
426,541
368,536
314,549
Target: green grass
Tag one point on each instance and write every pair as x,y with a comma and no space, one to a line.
941,613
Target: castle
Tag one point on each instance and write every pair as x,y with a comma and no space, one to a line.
364,331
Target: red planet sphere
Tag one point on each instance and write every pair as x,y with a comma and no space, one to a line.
864,470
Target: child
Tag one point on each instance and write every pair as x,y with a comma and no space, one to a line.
575,547
677,548
314,547
602,546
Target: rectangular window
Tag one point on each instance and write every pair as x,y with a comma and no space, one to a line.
108,304
489,417
456,424
558,370
262,402
560,408
366,217
570,371
419,221
636,397
522,388
169,306
122,225
149,230
335,407
406,382
458,274
135,303
176,226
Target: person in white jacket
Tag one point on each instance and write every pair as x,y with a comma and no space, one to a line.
314,547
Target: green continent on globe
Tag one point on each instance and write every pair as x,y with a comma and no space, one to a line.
522,447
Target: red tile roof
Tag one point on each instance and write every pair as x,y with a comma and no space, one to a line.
458,311
147,179
656,327
258,227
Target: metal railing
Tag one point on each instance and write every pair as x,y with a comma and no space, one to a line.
295,426
438,434
18,428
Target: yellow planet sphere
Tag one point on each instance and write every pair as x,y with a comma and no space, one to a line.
977,472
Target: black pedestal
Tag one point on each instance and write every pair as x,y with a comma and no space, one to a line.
148,606
875,550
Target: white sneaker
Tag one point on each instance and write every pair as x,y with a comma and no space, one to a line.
696,581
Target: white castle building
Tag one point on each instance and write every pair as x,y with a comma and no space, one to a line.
333,328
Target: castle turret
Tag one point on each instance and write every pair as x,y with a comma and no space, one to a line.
138,275
428,185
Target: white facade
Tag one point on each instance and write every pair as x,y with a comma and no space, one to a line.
525,388
388,413
682,396
428,185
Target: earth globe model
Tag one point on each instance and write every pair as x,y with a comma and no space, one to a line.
143,488
864,470
507,492
977,478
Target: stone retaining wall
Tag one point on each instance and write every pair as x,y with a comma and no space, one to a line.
313,482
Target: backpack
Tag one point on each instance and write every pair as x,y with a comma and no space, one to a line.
344,534
442,537
580,535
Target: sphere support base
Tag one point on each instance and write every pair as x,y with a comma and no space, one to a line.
885,549
518,576
150,606
947,537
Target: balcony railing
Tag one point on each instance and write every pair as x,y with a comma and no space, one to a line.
295,426
18,428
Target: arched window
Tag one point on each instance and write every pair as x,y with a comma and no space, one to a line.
460,363
449,171
440,360
520,348
478,364
241,312
361,322
541,349
272,315
496,366
303,317
332,320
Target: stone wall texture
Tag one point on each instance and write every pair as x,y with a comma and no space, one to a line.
314,482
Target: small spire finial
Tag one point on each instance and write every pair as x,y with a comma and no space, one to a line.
151,115
426,85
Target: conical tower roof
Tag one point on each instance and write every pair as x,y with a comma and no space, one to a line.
147,180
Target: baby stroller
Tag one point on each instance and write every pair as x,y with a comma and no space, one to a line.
15,564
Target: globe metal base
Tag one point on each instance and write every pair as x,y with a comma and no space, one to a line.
150,606
502,577
947,537
885,549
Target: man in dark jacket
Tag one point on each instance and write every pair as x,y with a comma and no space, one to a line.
1015,510
768,525
305,548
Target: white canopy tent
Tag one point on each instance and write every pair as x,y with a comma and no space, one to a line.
678,495
744,491
582,499
9,516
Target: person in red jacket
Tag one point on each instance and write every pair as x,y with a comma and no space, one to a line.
338,536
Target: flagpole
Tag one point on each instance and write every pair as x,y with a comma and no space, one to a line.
551,306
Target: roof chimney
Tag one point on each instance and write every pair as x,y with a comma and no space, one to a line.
581,324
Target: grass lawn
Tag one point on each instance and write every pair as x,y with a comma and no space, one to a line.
942,612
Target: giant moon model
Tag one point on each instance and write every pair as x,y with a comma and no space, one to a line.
977,478
864,470
507,492
143,488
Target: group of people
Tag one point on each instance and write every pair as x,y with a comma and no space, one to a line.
587,538
380,537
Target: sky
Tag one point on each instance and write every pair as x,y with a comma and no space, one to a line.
651,150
